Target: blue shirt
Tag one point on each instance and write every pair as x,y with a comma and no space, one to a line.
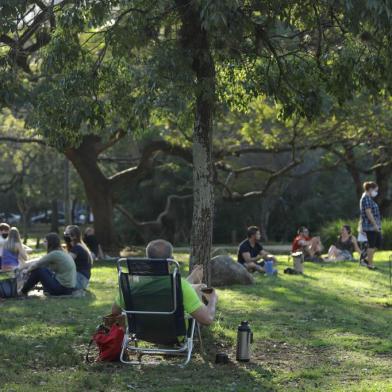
365,203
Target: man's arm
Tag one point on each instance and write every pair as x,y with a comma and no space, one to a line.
265,255
205,314
248,259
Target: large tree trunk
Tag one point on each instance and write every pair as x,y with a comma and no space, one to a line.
98,192
102,206
195,42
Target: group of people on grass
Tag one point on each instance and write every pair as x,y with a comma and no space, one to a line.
60,271
63,270
253,257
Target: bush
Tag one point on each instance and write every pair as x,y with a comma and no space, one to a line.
331,230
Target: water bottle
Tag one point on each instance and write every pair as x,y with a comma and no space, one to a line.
269,267
244,340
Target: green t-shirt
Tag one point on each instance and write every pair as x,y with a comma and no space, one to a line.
190,298
62,264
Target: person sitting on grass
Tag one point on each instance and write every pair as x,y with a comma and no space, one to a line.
14,253
345,246
78,250
311,247
203,314
250,251
91,240
4,230
56,270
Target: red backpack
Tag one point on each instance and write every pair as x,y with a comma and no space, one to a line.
108,340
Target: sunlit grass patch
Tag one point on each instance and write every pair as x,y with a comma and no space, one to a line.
327,330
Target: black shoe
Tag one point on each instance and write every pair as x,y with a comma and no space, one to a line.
363,263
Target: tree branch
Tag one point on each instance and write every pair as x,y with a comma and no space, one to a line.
22,140
236,196
133,174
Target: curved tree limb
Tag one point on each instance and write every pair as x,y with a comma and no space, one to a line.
23,140
237,196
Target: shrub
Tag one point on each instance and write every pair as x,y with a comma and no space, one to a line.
331,230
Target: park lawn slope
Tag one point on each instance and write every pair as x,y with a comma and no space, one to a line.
329,330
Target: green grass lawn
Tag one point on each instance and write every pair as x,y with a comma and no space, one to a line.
330,330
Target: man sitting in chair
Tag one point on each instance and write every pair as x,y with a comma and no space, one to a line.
203,314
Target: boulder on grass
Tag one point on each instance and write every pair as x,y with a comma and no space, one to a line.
225,272
219,252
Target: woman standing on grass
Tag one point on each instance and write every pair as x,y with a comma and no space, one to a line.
78,250
14,253
370,222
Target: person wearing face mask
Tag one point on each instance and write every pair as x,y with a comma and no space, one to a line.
80,253
370,221
250,251
4,230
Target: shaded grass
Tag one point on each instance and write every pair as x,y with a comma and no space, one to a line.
328,330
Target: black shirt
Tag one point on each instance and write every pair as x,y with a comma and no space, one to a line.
92,243
82,260
246,247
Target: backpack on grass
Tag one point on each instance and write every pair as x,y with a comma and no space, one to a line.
8,288
108,338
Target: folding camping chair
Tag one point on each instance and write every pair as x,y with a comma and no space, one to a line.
153,306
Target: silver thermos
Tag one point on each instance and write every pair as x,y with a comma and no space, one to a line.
244,340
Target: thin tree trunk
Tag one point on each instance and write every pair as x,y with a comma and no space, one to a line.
194,40
67,195
73,209
353,170
203,193
383,175
54,226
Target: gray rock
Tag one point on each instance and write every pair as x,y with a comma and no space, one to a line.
225,272
219,252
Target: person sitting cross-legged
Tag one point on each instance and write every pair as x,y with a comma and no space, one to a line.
56,270
250,251
311,247
203,314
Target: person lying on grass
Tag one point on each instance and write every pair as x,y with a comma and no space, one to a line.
345,246
56,270
203,314
250,251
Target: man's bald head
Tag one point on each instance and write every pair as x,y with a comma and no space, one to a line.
159,249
